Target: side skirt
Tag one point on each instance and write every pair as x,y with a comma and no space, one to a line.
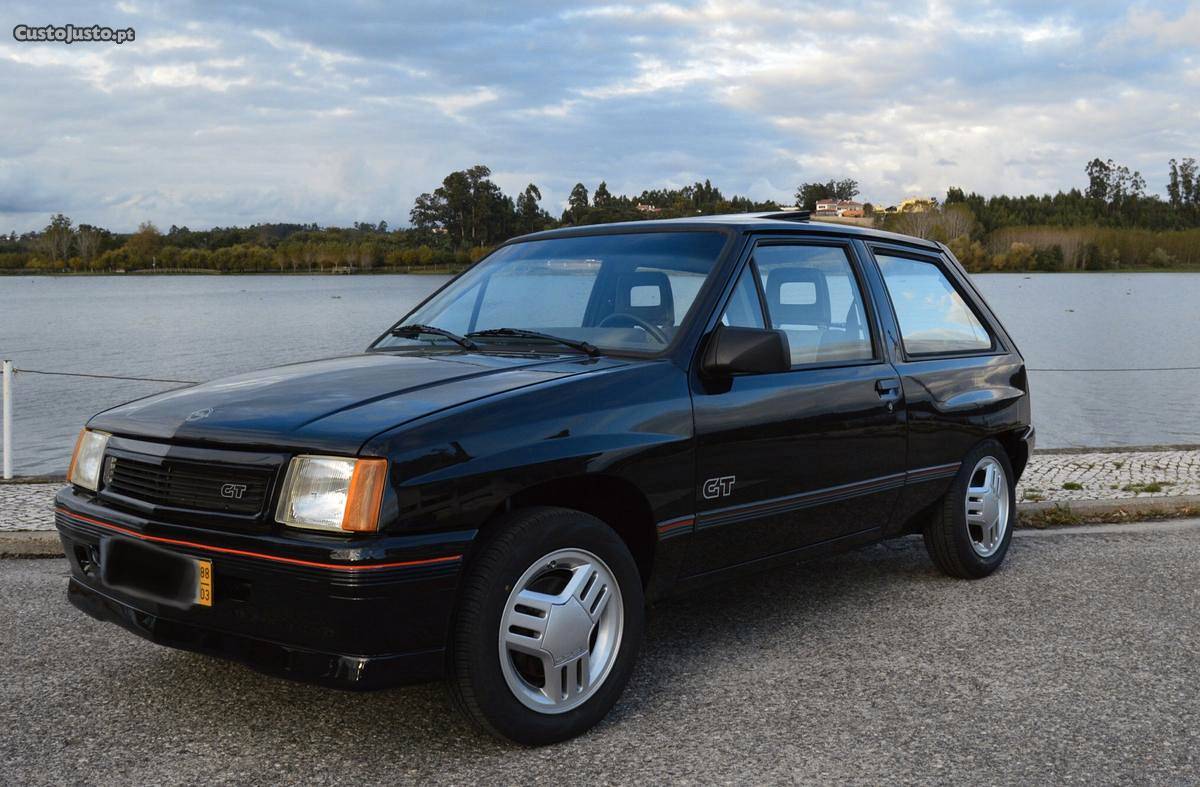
791,557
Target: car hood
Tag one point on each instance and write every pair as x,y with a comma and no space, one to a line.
332,405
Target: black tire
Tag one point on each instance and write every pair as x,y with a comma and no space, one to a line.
947,537
510,547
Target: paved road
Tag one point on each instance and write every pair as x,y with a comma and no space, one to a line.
1075,663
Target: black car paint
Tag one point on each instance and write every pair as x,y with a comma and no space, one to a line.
823,458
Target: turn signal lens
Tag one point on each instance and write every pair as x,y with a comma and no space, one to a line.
332,493
366,495
87,459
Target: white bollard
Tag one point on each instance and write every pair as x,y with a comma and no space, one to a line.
6,395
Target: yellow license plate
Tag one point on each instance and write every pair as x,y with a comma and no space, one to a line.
204,583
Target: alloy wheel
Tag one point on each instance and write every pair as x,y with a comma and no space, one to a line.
987,506
561,630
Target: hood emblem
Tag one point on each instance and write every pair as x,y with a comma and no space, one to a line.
199,414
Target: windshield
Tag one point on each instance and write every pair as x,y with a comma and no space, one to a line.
617,292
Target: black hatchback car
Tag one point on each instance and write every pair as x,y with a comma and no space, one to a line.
587,420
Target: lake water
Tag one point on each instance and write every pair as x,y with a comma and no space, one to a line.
201,327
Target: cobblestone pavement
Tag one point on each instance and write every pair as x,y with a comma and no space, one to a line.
1097,475
27,506
1110,475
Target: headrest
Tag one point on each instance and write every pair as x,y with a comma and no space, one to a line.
798,296
646,294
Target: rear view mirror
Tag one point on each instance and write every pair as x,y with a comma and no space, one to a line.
745,351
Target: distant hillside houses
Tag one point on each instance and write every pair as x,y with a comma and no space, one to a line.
845,208
916,205
851,209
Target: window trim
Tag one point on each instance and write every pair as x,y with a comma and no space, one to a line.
726,301
995,348
856,270
695,313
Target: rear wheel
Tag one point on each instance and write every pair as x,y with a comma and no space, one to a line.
971,532
548,625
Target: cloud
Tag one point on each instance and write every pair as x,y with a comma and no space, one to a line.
184,76
456,105
221,114
1149,24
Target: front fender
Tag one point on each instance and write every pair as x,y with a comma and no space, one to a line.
452,471
565,456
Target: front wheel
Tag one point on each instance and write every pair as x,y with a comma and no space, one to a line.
548,626
970,534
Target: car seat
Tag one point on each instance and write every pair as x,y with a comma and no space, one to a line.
801,312
657,309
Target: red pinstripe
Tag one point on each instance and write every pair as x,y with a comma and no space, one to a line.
259,555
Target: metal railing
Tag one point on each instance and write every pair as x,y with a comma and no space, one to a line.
6,419
8,372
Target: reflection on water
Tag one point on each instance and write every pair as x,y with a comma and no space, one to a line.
200,327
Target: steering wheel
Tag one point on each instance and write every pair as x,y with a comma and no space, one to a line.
636,322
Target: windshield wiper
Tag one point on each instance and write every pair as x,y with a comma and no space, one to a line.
413,331
520,333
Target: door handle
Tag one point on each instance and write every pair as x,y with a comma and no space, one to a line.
888,389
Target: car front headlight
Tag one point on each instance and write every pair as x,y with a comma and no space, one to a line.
333,494
84,469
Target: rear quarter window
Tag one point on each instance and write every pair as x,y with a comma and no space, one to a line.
934,317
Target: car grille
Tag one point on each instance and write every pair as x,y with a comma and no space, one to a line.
201,486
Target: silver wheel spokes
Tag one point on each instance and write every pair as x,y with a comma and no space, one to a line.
561,631
987,506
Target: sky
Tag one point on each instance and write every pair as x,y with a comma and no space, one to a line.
220,114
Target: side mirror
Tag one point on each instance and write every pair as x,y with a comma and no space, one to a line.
745,351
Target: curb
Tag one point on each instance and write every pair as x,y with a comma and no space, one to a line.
1121,511
1079,516
1118,449
1160,526
1132,505
30,543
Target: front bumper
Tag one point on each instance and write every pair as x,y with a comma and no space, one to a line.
339,670
307,609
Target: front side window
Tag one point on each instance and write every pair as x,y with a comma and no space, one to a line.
744,309
934,319
813,296
629,291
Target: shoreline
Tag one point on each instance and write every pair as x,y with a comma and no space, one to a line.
1185,269
444,270
1061,488
1155,448
454,270
1032,518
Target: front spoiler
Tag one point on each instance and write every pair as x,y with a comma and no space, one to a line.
338,670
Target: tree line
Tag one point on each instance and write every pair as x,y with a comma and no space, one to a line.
283,248
469,210
451,227
1112,223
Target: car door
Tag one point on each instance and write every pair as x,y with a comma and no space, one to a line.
814,454
962,380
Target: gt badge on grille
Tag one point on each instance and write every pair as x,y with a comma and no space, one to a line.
233,491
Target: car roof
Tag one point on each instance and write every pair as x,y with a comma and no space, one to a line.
772,221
